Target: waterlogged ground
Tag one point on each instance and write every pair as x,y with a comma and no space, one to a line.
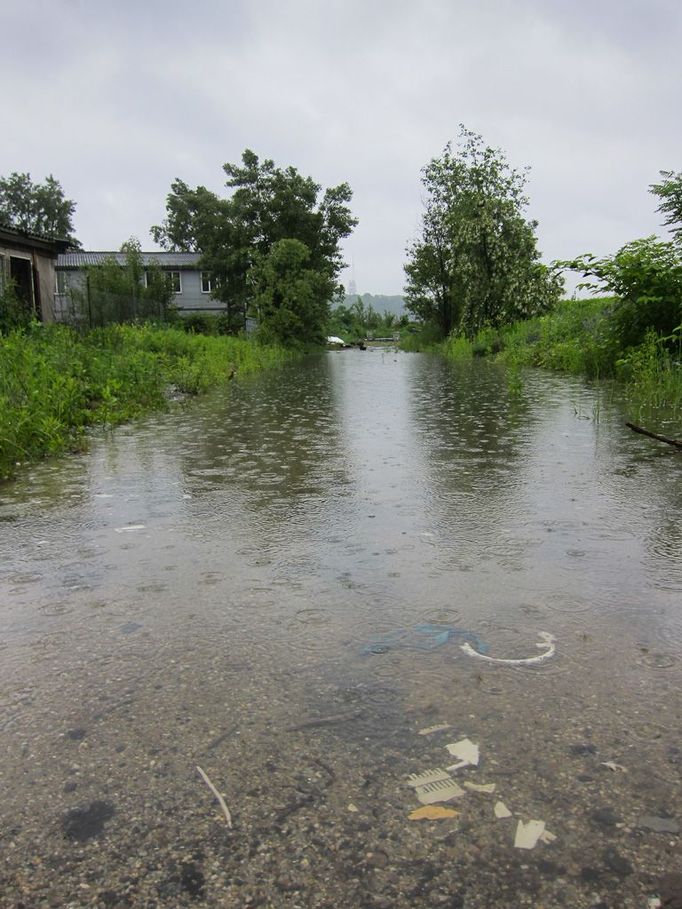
274,583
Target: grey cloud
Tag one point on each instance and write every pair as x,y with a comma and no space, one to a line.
118,99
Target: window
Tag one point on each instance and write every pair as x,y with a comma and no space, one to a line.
176,281
206,282
60,282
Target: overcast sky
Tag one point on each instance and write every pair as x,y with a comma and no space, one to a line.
117,99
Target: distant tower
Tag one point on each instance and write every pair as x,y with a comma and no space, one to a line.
352,286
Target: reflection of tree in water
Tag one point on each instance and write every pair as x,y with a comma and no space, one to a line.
666,538
272,441
473,427
645,479
473,432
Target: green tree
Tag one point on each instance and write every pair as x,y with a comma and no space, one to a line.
360,320
646,278
37,208
266,204
191,215
476,262
669,192
644,275
290,299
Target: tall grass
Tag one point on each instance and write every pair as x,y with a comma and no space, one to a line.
55,383
653,373
578,337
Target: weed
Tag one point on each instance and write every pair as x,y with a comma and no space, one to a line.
581,337
55,383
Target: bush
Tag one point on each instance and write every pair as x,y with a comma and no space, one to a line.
646,277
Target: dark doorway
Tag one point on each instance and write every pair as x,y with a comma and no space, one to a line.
21,273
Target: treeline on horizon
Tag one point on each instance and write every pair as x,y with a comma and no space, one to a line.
272,244
475,286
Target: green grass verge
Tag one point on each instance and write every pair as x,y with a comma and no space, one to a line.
54,383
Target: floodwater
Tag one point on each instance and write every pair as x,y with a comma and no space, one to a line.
275,583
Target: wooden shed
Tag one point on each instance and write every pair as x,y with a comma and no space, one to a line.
28,261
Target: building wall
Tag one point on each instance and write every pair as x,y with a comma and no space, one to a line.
190,300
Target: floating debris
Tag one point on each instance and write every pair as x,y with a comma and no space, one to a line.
325,720
488,788
130,627
466,751
611,765
352,808
129,528
425,636
427,776
432,813
438,791
221,800
429,730
547,645
501,810
527,835
547,837
659,824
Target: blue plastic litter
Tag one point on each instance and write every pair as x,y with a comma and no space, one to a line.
424,636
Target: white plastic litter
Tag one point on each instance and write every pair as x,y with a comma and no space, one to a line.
129,528
547,837
431,729
488,788
501,810
427,776
440,791
466,751
547,645
613,766
527,835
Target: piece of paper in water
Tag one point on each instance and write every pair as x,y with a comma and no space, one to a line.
501,810
466,751
527,835
432,813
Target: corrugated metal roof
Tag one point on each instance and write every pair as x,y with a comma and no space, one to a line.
81,258
14,234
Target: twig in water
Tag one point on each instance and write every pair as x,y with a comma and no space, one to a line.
325,720
676,443
221,800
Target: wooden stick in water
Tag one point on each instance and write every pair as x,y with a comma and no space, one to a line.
221,800
676,443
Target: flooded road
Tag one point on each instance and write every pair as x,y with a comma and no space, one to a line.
276,583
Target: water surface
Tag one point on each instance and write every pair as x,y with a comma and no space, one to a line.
274,583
